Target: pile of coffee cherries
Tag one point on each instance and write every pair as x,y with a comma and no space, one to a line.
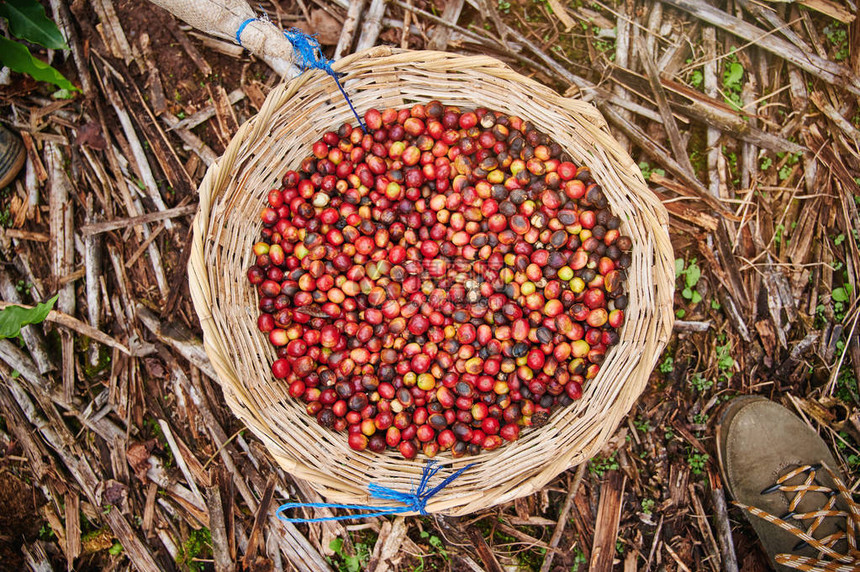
440,281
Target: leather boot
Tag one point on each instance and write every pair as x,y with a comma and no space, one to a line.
12,156
782,474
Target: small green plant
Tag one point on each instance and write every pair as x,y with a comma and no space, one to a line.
599,465
700,418
646,169
578,559
725,361
5,214
47,533
27,21
786,169
733,76
436,543
846,382
351,563
648,505
840,297
504,6
13,318
642,425
115,549
696,79
701,383
667,365
837,35
777,234
691,274
765,164
697,462
197,545
732,159
606,46
841,294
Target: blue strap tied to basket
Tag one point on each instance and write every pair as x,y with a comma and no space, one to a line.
311,57
242,29
413,501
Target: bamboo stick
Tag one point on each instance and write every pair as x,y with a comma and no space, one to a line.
350,25
372,25
63,251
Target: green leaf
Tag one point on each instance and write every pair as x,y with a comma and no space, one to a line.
696,297
63,94
353,563
13,318
115,549
28,21
18,58
839,295
693,275
687,293
336,545
696,79
733,75
680,313
679,267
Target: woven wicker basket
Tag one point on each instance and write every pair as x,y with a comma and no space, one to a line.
228,224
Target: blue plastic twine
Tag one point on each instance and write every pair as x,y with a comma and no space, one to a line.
413,501
310,54
242,29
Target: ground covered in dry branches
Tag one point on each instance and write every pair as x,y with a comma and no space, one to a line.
117,449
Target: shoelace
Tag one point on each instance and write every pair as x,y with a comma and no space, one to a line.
829,559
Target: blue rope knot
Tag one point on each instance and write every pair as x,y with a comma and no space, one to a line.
414,501
310,56
308,49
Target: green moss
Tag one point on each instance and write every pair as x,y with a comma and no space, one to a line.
198,545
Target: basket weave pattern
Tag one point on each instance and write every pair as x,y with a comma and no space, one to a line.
228,224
